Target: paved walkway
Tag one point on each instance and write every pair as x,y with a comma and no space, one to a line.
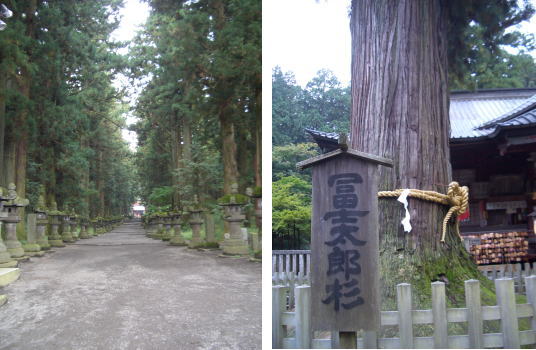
122,290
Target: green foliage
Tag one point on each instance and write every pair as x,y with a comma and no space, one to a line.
291,202
201,68
323,105
161,196
285,158
235,198
477,30
70,117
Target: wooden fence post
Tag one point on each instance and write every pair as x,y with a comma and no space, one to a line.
506,300
303,317
474,314
275,279
405,318
301,269
278,306
530,286
439,312
370,340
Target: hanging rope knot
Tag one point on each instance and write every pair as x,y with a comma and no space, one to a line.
457,198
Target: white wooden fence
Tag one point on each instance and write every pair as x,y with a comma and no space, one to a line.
515,271
292,328
291,265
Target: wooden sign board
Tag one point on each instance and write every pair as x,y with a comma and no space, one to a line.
344,243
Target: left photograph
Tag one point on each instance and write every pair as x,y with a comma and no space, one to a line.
130,174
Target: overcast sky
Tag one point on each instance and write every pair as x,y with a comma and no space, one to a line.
305,36
134,15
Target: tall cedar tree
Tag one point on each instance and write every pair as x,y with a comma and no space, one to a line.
400,101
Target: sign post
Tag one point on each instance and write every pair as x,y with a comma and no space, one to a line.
345,294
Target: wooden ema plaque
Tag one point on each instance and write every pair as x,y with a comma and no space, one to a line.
344,241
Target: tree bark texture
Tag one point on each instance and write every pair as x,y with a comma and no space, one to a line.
176,156
258,139
84,140
9,161
100,184
3,87
400,111
230,167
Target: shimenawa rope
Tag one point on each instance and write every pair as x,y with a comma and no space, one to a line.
457,198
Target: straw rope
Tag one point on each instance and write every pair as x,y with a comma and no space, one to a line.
457,198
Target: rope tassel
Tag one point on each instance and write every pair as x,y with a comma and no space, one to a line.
457,198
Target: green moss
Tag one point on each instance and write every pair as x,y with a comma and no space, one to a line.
401,264
257,191
236,198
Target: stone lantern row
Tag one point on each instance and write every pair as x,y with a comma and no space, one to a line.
38,241
167,225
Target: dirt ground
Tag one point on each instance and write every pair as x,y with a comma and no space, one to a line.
122,290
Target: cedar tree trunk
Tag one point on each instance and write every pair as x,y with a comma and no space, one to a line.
230,167
400,105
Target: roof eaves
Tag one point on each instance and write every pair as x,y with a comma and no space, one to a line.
523,108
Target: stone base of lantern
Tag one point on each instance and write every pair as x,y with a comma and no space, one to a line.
15,249
5,258
67,237
233,246
9,264
157,235
8,276
43,243
33,253
195,242
177,240
84,235
56,242
167,235
33,249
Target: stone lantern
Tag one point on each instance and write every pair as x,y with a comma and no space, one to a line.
168,229
159,222
177,238
255,239
73,221
12,208
55,220
5,257
150,226
233,205
83,228
42,221
66,234
92,230
196,220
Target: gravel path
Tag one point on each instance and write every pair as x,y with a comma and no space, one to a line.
123,290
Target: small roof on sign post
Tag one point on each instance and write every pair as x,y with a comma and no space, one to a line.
343,149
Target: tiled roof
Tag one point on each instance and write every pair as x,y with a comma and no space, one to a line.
480,114
475,115
522,119
323,135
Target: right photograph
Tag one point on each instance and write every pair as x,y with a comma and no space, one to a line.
403,174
